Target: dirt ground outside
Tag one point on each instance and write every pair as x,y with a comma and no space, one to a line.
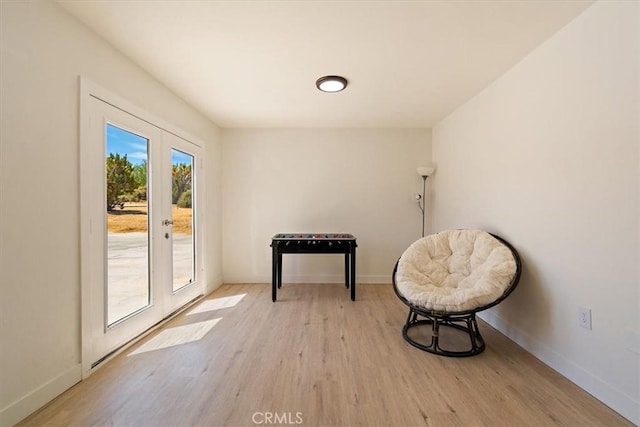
133,218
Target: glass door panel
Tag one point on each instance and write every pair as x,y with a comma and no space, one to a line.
182,179
183,243
128,240
121,203
141,258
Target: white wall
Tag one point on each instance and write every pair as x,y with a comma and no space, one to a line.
547,157
43,51
355,181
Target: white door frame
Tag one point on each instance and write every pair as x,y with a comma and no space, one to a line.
89,179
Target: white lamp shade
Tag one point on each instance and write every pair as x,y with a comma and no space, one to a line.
425,171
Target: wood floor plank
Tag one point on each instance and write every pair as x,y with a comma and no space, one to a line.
318,358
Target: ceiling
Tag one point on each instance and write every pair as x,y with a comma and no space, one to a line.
253,64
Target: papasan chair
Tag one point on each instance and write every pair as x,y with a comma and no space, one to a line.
446,278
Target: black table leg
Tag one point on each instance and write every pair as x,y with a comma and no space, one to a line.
274,273
346,271
279,270
352,255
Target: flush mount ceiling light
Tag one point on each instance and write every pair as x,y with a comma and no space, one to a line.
331,83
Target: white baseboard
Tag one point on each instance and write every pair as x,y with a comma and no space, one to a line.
601,390
327,278
26,405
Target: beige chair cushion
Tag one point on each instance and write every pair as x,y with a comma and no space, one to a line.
455,271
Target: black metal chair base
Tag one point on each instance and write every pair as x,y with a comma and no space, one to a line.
463,322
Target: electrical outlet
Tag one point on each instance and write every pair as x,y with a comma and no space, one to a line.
584,317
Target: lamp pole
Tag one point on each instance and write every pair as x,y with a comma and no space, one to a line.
422,206
424,172
424,186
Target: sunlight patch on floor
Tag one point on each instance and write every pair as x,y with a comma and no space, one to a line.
177,335
217,304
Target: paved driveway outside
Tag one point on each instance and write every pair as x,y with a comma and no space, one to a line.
128,270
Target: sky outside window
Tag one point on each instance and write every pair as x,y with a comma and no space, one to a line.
134,146
120,141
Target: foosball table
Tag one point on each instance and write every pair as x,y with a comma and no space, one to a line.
319,243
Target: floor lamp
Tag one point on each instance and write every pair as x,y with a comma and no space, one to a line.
424,172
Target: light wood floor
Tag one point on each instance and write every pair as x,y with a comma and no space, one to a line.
318,358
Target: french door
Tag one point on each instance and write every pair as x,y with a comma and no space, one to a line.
141,202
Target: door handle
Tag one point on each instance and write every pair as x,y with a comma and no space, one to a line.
167,222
